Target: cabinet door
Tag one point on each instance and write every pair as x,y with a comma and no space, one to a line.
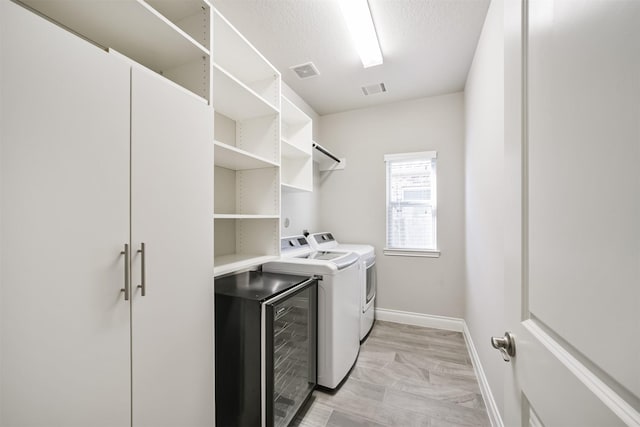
65,217
172,214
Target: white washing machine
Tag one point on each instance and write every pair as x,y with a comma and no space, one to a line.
338,303
367,274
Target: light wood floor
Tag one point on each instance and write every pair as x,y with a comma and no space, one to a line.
405,376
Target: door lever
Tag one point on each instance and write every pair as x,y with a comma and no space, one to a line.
506,345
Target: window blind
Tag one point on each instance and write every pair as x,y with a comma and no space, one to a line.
411,201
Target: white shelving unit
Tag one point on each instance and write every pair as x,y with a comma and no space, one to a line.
247,152
296,145
239,58
262,144
168,37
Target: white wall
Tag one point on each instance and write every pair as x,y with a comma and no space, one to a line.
484,160
352,201
301,209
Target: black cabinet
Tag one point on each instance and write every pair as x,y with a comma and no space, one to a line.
266,327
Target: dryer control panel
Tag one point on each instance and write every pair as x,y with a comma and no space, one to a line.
323,237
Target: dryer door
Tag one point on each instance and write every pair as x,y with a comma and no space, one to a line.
371,284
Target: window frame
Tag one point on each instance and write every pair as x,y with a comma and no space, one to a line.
413,252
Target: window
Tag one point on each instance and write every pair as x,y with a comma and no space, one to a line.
411,204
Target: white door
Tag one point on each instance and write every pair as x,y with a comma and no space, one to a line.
572,150
65,218
172,214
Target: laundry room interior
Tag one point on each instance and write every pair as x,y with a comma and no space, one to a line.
319,213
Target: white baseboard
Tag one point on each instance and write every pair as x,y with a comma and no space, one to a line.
449,324
419,319
487,395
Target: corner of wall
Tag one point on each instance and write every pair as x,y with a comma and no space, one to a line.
483,201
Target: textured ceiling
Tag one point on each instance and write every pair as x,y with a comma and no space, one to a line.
428,46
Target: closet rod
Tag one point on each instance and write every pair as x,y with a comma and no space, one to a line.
325,152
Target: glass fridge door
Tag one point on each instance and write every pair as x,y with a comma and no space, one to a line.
294,353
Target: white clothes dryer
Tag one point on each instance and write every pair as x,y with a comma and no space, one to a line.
367,279
338,303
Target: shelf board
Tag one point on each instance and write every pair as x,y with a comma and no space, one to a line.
234,52
230,157
131,27
178,10
289,188
293,151
236,100
229,263
244,216
291,114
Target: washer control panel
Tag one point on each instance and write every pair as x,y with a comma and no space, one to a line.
294,243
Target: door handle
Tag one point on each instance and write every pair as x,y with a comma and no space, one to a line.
127,271
506,345
143,278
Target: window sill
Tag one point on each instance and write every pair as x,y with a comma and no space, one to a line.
412,252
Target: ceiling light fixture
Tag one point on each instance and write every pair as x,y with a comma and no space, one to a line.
358,18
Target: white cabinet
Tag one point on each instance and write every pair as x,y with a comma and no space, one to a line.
65,218
246,99
96,155
171,198
297,159
166,36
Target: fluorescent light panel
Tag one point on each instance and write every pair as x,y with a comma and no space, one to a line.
358,18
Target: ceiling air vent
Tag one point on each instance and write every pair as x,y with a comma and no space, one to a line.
373,89
304,71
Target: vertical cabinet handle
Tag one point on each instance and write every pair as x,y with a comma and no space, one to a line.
127,272
143,280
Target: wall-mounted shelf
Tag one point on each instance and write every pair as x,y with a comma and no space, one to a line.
296,158
287,188
293,115
296,126
327,161
167,44
236,100
192,16
292,151
230,157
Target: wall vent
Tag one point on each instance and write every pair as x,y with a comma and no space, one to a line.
304,71
373,89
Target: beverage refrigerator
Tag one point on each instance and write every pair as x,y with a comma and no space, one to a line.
265,341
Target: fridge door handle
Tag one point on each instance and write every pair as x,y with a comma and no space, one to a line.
290,291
